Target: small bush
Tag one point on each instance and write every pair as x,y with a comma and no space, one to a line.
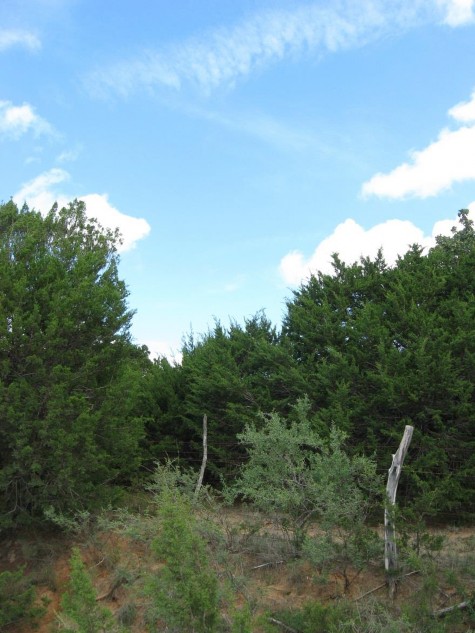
184,593
127,614
297,476
17,599
81,613
242,620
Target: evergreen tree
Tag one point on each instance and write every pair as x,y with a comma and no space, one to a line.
79,605
383,347
231,374
64,351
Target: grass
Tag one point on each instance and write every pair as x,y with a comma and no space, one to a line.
256,571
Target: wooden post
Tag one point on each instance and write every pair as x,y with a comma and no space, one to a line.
390,549
205,457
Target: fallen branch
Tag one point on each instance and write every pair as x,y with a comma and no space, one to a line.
457,607
282,625
276,562
368,593
100,562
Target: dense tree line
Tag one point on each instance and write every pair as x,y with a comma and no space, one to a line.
384,347
84,412
373,347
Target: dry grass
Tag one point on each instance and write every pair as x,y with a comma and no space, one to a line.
253,559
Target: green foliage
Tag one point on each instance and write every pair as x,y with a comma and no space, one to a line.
231,374
414,538
80,610
17,597
345,551
314,617
242,620
184,593
371,617
68,372
383,347
161,402
296,475
127,614
75,523
374,347
169,481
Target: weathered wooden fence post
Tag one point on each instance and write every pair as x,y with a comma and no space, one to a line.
205,457
390,549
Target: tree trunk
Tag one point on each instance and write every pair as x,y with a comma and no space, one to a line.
390,549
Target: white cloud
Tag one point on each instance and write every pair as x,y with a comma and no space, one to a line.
448,160
457,12
464,111
132,229
41,193
18,120
351,241
224,55
14,37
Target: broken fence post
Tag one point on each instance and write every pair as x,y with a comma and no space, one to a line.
205,457
390,549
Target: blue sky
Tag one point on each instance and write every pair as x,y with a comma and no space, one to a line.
238,144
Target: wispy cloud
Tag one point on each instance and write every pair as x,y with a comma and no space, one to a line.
229,286
69,155
18,120
223,56
41,193
235,284
351,241
457,12
10,38
263,127
448,160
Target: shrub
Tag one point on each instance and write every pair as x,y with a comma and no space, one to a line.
79,606
184,593
296,475
16,598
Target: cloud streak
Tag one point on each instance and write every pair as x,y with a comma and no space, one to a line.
351,241
448,160
223,56
11,38
41,193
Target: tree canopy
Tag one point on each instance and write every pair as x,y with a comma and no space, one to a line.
384,347
373,347
64,352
